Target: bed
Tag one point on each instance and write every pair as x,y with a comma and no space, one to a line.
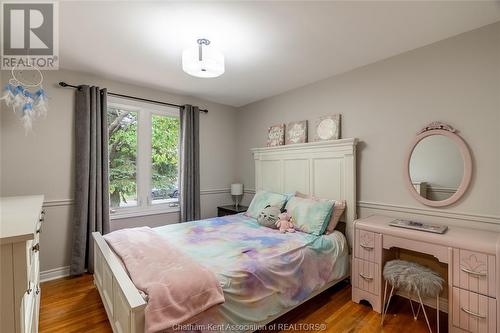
263,273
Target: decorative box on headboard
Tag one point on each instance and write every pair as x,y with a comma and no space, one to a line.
324,169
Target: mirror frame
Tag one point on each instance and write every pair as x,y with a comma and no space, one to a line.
437,128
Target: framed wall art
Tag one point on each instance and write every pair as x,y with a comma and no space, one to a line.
327,128
296,132
276,135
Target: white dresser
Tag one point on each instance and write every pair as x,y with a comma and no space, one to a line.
20,225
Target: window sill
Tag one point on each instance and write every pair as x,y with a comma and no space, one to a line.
129,213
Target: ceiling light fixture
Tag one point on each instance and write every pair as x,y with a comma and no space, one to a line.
203,60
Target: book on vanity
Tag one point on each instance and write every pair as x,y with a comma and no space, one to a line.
435,228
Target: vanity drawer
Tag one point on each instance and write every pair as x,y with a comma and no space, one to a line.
366,276
473,312
474,271
368,245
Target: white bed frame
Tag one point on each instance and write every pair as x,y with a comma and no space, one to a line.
324,169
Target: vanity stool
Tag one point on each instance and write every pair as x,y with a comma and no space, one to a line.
413,279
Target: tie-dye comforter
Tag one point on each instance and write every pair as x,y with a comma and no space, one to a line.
261,271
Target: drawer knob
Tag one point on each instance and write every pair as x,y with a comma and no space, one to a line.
470,271
369,278
36,247
472,313
366,247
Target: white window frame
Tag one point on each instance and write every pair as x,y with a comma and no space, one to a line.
145,111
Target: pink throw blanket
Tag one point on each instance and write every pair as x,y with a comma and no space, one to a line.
178,288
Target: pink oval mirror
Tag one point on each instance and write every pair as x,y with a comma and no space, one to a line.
438,167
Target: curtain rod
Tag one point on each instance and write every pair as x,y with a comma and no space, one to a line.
64,84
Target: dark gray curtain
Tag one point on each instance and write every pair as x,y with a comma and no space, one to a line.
91,189
189,163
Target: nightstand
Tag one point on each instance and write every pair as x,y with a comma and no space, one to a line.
230,210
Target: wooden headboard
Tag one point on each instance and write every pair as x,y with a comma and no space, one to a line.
324,169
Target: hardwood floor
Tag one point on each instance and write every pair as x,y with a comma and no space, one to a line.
73,305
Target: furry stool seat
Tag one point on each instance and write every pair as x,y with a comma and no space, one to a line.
414,279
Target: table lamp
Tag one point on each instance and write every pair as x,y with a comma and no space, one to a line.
237,193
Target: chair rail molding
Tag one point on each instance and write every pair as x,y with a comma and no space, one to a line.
215,191
58,202
488,219
70,201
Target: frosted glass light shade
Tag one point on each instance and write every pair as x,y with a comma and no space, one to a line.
236,189
211,65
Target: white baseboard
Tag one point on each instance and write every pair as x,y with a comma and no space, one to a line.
55,273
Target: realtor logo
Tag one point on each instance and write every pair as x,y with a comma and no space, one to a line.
29,35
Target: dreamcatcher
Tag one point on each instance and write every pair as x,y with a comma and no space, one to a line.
25,94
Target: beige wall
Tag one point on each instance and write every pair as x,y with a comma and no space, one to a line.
43,161
385,104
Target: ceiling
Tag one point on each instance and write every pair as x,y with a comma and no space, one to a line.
270,47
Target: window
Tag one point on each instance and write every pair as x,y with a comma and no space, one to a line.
143,158
164,159
122,130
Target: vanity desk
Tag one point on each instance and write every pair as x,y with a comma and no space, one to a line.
472,256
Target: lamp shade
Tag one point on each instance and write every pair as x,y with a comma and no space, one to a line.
206,62
236,189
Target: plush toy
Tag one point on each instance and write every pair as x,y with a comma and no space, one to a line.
269,216
285,222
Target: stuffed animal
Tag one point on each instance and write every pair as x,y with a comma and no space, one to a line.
269,216
285,222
